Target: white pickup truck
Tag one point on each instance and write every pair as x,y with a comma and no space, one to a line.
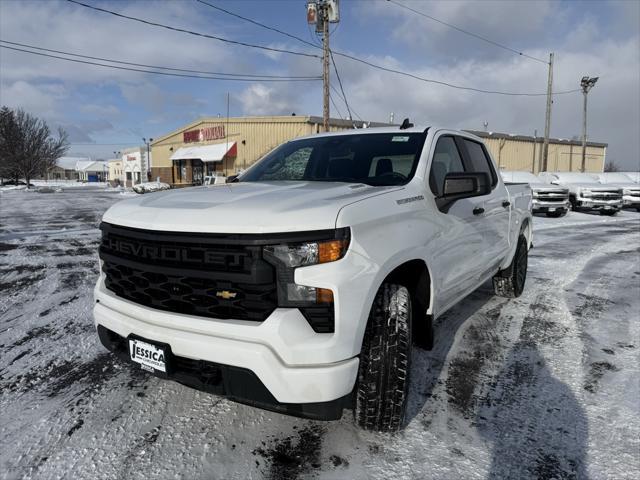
300,287
630,189
552,200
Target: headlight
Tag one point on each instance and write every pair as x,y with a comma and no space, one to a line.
308,253
586,193
288,256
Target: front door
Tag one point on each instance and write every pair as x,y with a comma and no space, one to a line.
457,251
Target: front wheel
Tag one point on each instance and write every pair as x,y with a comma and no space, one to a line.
610,213
557,213
510,281
383,377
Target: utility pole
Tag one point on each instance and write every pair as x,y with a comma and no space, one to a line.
547,122
322,13
325,65
587,84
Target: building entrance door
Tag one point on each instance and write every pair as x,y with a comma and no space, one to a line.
197,171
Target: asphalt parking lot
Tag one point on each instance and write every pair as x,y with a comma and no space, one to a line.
543,386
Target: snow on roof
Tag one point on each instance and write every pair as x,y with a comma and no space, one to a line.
90,166
69,163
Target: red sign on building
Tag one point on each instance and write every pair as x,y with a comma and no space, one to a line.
204,134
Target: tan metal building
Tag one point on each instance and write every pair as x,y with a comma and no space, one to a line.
226,146
523,153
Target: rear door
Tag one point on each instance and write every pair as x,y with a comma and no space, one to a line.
457,250
496,215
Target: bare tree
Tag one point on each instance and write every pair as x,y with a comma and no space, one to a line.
27,148
611,166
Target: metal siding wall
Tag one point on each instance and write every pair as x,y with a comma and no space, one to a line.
518,155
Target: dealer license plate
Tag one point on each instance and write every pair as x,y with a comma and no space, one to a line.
149,356
552,209
607,207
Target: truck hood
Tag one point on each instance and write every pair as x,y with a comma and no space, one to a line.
596,187
545,187
245,207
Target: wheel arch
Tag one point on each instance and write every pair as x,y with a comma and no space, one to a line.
416,276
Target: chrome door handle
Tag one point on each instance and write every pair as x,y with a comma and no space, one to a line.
506,204
478,211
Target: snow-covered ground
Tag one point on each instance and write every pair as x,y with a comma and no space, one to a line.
544,386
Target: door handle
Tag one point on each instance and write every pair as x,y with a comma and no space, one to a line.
478,211
506,204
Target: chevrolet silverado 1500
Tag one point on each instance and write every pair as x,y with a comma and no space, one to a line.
301,287
630,189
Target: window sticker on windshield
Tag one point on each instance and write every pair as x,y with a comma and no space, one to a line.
400,139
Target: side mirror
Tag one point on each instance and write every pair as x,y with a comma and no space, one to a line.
232,178
462,185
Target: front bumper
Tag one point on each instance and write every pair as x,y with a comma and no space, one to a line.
545,206
236,383
586,202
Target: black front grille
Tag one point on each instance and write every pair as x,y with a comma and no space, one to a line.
194,274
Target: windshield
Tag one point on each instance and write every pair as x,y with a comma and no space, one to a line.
519,177
371,158
610,177
575,178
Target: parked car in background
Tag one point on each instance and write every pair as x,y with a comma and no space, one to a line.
300,287
214,180
630,189
585,192
549,199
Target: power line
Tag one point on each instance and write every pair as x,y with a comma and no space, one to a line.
335,68
399,72
202,77
243,75
466,32
191,32
273,29
337,92
336,107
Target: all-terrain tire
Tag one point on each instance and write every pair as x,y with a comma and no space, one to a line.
510,281
609,213
383,377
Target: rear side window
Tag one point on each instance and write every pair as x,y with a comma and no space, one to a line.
479,161
446,159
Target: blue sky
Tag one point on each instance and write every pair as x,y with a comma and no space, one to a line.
101,106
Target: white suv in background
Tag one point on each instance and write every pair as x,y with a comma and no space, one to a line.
585,192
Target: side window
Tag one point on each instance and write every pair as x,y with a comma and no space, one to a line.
479,160
446,159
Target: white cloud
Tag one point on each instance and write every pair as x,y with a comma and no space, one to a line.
259,99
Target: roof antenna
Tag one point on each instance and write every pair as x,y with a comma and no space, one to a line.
406,124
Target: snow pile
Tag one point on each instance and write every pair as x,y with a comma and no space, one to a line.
150,187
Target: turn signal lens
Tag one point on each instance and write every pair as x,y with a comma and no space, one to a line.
332,250
324,295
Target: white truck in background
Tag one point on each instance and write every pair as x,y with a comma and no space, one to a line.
549,199
585,192
630,189
301,286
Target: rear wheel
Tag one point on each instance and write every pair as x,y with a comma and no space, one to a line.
510,281
610,213
383,377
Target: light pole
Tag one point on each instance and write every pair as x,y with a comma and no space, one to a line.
587,84
116,155
148,166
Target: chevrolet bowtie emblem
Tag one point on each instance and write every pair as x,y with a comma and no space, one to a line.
226,294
